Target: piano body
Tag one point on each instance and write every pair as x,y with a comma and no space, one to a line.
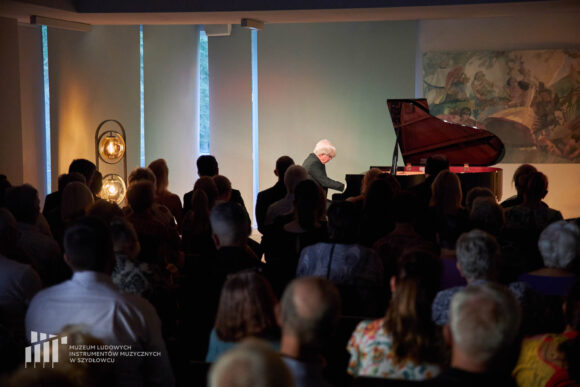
470,150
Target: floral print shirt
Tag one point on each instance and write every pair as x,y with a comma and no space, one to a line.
371,354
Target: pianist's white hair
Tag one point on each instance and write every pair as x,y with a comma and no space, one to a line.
324,147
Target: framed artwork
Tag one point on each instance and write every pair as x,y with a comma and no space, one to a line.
530,99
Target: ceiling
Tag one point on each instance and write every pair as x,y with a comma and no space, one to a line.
147,12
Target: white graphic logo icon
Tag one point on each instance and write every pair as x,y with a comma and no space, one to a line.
46,341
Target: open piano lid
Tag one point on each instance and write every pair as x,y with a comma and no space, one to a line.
421,135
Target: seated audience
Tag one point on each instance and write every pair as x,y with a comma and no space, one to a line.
250,364
246,308
162,193
274,193
285,241
196,232
158,210
354,269
475,193
483,333
520,181
308,316
91,298
433,166
224,188
487,215
552,359
158,247
53,215
446,214
19,282
44,251
404,236
405,344
293,176
85,168
130,275
369,177
377,215
96,185
559,245
207,165
525,222
231,229
477,257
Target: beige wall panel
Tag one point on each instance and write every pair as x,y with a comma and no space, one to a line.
170,62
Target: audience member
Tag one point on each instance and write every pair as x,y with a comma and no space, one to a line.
128,274
405,344
246,308
231,228
448,218
284,242
158,244
4,185
162,193
533,214
207,165
520,181
389,248
158,210
475,193
293,176
274,193
477,260
197,235
96,185
90,298
224,188
308,316
483,335
315,164
377,216
78,166
105,210
354,269
250,364
369,177
54,215
525,222
18,282
552,359
42,249
559,245
433,166
487,215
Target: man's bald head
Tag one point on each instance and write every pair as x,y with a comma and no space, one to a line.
310,310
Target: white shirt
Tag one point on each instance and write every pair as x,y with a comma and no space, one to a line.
91,299
18,284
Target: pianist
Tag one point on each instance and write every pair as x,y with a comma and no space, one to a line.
323,152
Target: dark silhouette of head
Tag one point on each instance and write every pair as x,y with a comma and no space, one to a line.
88,245
207,165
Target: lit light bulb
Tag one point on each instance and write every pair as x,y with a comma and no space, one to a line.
111,147
114,189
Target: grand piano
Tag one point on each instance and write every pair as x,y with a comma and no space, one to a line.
470,150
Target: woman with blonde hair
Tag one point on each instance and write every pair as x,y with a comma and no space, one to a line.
405,344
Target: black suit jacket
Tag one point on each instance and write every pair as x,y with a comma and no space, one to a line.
317,171
236,198
265,199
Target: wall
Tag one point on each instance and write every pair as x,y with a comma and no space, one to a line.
331,80
170,62
230,90
515,33
94,76
11,156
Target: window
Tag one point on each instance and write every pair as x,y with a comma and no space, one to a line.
203,95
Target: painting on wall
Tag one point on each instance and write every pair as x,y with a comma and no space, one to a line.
529,99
